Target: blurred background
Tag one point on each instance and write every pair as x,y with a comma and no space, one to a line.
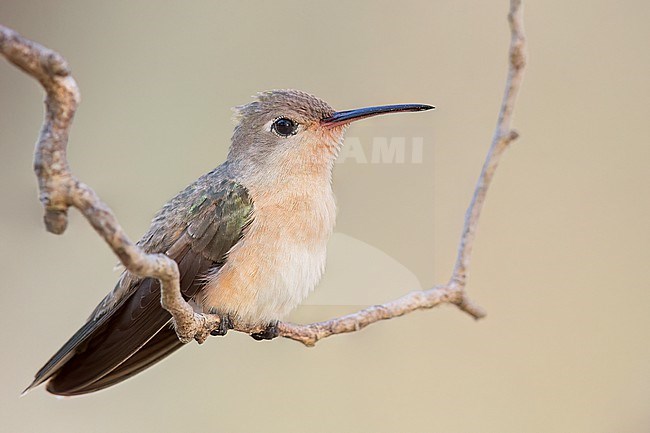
560,261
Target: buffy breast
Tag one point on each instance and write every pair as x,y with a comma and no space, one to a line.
279,261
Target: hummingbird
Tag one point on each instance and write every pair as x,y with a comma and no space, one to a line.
249,238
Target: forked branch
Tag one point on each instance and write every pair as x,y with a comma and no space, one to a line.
454,291
60,190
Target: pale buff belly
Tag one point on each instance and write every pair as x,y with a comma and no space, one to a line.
274,267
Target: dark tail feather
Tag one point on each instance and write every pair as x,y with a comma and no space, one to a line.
62,356
135,333
129,329
159,347
100,348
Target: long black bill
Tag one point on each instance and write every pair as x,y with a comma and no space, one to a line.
343,117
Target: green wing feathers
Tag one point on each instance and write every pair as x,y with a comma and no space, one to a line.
129,331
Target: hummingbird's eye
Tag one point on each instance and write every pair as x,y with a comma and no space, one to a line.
284,127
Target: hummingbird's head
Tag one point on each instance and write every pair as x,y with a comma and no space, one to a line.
293,132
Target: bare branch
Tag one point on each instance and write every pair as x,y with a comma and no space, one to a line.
454,291
60,189
503,136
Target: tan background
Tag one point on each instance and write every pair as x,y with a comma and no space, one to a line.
561,258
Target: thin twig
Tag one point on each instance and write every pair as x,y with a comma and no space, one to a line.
60,189
454,291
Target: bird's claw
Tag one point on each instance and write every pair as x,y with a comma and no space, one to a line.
225,323
269,333
205,324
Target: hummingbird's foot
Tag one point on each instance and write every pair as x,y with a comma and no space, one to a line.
269,333
224,325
